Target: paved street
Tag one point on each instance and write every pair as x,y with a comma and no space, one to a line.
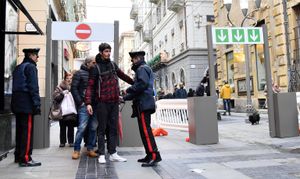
243,151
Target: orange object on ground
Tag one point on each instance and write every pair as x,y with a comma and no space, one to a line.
187,139
159,132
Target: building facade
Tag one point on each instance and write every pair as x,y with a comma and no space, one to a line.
172,33
284,44
126,45
20,32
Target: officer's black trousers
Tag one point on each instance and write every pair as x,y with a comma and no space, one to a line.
144,121
24,137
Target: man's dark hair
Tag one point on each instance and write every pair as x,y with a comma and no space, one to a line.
104,46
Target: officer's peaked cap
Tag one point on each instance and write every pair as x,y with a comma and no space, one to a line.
137,53
31,50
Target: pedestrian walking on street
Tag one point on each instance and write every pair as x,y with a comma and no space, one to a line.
67,123
25,105
226,96
103,87
141,92
86,123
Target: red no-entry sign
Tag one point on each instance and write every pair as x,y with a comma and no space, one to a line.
83,31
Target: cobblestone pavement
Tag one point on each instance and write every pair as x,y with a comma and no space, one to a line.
237,155
244,151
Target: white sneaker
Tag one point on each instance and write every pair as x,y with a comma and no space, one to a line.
101,159
116,158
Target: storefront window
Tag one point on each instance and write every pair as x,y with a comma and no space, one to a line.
10,54
260,66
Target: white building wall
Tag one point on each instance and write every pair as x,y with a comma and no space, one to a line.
196,12
181,34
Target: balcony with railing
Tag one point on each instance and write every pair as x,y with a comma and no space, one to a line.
147,36
138,23
134,11
175,5
156,63
154,1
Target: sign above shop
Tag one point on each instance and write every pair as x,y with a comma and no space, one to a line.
30,27
83,46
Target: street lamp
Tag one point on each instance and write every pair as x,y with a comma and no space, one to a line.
244,8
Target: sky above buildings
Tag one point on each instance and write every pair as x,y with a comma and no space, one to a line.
99,11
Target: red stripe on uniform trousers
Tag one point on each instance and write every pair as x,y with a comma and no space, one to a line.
147,136
28,137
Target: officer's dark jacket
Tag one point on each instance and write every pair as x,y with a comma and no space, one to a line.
142,90
25,90
79,84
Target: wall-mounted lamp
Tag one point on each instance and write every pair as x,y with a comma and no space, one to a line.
198,20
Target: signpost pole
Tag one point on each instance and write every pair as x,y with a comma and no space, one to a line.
271,116
247,60
116,42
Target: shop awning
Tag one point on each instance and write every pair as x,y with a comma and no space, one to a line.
18,5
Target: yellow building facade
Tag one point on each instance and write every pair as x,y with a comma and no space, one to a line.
283,48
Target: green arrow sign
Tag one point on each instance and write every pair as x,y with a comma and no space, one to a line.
222,35
237,35
253,35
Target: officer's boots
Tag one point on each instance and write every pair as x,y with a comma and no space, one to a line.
153,162
145,159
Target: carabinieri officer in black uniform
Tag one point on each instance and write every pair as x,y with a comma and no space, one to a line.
25,104
142,94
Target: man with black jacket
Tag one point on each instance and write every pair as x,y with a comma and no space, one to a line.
141,92
78,88
25,103
103,86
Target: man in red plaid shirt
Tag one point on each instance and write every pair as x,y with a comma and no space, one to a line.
103,87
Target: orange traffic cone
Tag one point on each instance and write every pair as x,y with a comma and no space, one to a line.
159,132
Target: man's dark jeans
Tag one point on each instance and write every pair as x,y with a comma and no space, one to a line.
108,116
226,103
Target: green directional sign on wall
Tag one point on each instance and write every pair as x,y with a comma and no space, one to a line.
222,35
237,35
253,35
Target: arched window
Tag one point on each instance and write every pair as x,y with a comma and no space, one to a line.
182,76
173,79
160,82
166,82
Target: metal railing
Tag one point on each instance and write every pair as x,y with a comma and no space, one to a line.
171,114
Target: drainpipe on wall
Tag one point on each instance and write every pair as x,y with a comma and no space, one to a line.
287,40
152,34
185,25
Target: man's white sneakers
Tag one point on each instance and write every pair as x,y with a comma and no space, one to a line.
116,158
101,159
